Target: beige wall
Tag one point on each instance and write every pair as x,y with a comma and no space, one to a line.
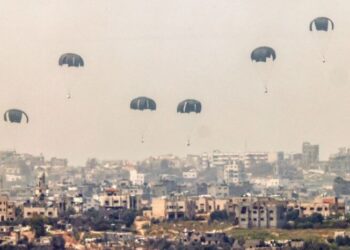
7,209
30,212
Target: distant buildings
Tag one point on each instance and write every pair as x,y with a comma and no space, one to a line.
111,198
136,178
326,206
219,190
220,159
310,154
172,207
234,173
7,209
32,210
260,212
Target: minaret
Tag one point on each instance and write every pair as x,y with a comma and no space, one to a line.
41,186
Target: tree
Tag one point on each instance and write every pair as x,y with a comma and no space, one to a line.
38,225
219,215
58,243
292,215
316,218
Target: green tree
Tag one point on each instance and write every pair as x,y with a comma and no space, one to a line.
38,225
58,243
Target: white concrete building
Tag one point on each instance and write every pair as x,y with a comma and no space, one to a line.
234,173
136,178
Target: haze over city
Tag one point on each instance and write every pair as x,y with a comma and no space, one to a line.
171,51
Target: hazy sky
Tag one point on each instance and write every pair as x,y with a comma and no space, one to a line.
171,50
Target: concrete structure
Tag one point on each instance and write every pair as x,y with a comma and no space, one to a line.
202,238
136,178
206,204
234,173
259,212
192,174
41,186
33,211
174,207
218,190
254,158
7,209
220,159
310,154
326,206
111,198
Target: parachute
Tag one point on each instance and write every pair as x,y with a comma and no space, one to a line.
322,29
189,106
72,61
186,107
143,103
147,106
15,116
263,59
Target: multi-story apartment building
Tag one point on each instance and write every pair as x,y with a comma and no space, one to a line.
220,159
111,198
206,204
234,173
254,158
326,206
7,209
259,212
136,178
219,190
310,154
173,207
31,211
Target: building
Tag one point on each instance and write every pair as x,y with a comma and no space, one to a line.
41,187
310,154
189,237
326,206
7,209
219,190
206,204
275,157
220,159
192,174
136,178
234,173
111,198
259,212
254,158
174,207
31,211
